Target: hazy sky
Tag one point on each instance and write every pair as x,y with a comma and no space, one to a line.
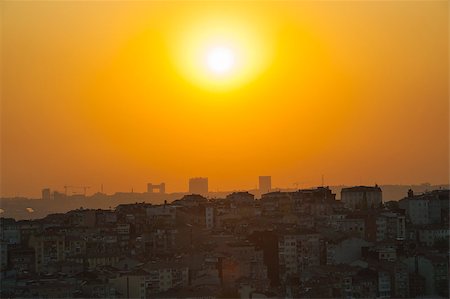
112,92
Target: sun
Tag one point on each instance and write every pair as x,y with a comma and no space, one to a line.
216,55
220,60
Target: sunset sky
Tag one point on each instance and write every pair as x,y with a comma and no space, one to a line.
124,93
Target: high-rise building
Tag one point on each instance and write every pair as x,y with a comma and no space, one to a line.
161,188
265,184
46,194
198,186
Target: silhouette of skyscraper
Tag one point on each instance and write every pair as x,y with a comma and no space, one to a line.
265,184
46,194
198,186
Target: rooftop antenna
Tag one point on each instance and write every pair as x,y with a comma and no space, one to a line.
101,188
322,179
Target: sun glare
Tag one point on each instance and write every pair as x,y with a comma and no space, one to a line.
220,60
218,56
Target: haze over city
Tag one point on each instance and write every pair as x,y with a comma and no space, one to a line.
224,149
126,93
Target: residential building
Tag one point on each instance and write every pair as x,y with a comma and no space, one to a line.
362,197
298,251
344,250
48,248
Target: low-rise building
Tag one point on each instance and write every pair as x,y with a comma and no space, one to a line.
21,259
48,248
297,250
352,225
431,234
426,208
362,197
390,226
3,255
434,269
9,231
345,250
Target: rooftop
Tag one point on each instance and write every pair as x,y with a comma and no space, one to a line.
362,189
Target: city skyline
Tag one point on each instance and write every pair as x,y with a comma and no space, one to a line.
260,187
89,189
224,149
358,246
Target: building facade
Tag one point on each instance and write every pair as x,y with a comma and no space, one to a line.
362,197
198,186
265,184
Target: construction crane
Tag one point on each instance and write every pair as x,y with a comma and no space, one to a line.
77,187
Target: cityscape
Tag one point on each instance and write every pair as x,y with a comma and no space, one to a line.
291,244
224,149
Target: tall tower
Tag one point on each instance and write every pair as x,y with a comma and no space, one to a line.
198,186
46,194
265,184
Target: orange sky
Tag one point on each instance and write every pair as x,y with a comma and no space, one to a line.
106,92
